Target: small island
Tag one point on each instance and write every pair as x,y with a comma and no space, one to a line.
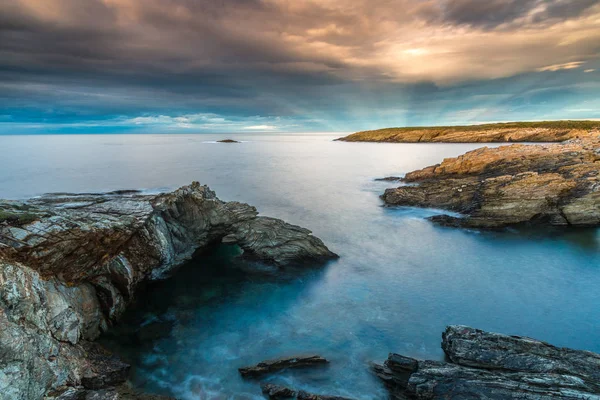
544,131
228,141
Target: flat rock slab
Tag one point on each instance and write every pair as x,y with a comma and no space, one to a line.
277,392
487,365
270,366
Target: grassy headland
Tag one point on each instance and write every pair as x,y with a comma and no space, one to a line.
544,131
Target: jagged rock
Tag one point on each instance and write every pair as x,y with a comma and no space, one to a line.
488,365
544,131
270,366
122,392
277,392
70,268
554,184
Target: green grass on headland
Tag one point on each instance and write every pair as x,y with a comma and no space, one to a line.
541,131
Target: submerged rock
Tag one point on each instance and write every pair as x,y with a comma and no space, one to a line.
389,179
277,392
553,184
270,366
488,365
69,270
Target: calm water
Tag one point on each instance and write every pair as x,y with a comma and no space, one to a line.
399,281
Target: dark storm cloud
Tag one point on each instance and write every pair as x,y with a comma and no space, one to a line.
69,59
493,13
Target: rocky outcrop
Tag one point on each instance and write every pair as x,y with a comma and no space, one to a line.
271,366
552,184
70,264
228,141
277,392
486,365
548,131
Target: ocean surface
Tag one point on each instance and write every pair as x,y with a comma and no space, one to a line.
400,279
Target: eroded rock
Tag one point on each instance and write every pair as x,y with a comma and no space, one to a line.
278,392
488,365
553,184
70,268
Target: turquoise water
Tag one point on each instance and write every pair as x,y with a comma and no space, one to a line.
398,282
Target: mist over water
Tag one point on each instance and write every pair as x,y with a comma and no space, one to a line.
400,280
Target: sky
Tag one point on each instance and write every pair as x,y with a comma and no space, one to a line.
160,66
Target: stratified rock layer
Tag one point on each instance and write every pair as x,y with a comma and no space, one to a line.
546,131
70,264
492,366
554,184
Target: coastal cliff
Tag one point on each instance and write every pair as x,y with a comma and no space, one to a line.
71,263
550,184
547,131
486,365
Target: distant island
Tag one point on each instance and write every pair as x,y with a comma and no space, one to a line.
544,131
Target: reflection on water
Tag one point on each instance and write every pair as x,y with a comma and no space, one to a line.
398,282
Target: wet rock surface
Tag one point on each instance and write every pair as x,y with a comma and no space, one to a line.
70,264
485,365
553,184
271,366
278,392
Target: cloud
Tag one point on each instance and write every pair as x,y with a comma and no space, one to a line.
260,128
297,59
558,67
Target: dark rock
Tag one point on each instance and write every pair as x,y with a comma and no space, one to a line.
479,349
104,369
122,392
270,366
488,365
389,179
228,141
553,184
277,392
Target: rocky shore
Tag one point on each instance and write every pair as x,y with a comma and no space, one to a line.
547,131
550,184
484,365
71,263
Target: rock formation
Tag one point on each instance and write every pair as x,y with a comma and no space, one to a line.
492,366
554,184
268,367
277,392
548,131
70,264
228,141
